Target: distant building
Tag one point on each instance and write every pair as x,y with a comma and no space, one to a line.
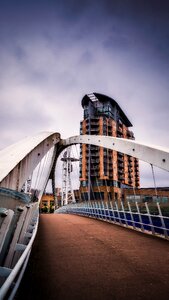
47,201
103,172
149,195
77,195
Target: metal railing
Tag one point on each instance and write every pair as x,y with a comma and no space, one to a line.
144,218
17,233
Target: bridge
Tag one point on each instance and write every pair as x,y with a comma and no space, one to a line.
112,253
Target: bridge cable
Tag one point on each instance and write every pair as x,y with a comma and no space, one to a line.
91,190
91,186
77,169
43,167
97,182
155,186
37,174
41,170
134,191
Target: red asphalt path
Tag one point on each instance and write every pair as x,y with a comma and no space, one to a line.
77,258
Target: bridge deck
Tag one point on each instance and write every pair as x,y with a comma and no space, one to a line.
80,258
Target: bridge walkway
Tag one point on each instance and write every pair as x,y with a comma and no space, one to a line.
77,258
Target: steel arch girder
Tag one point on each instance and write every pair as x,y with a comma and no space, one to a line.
19,160
155,155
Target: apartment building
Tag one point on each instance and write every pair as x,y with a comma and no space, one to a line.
105,173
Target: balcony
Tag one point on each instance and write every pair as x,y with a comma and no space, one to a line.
94,119
120,171
130,135
94,167
94,131
120,129
94,123
95,161
120,159
94,154
94,174
120,166
120,154
119,135
94,148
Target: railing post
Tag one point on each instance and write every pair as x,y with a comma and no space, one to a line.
84,209
150,219
112,209
108,211
92,210
88,208
162,220
131,214
96,209
100,210
124,213
118,213
139,215
103,205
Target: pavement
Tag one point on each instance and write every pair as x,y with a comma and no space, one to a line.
78,258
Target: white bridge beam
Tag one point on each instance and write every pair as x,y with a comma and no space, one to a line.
155,155
19,160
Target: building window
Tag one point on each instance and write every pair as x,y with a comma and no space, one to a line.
44,203
98,195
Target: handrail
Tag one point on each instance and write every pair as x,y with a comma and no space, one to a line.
20,264
146,222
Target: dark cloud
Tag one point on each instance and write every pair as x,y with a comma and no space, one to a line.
23,114
118,42
54,52
19,53
87,57
120,25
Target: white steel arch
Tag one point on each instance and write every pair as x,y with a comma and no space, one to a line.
155,155
19,160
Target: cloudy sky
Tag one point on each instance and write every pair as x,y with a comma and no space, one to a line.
54,52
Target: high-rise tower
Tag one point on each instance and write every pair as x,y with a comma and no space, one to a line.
103,172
